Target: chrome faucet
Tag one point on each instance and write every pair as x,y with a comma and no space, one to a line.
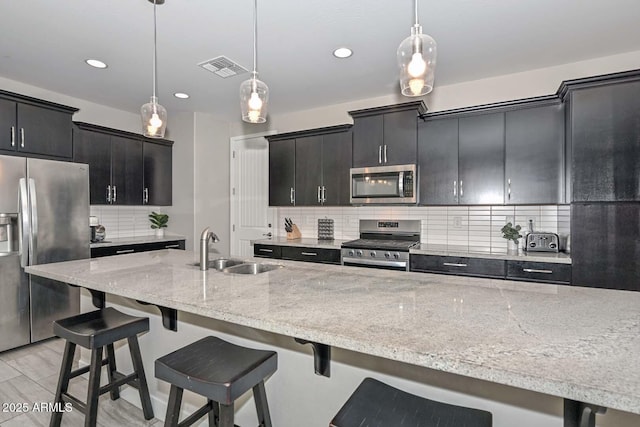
204,247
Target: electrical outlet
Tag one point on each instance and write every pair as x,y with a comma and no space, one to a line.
457,221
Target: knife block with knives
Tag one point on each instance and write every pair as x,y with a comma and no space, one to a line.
292,230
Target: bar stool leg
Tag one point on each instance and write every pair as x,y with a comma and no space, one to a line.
226,415
111,370
173,407
260,398
63,382
93,391
143,389
214,413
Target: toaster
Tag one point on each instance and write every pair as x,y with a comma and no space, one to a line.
539,241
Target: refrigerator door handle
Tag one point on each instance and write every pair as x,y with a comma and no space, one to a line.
23,223
33,247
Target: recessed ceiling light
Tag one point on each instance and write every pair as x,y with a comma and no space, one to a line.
342,52
96,63
181,95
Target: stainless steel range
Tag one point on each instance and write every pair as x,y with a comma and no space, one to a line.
382,244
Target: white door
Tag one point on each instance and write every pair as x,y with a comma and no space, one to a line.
251,217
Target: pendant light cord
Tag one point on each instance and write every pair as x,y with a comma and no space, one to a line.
255,37
155,50
415,2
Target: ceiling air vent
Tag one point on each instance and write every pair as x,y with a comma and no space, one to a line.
223,67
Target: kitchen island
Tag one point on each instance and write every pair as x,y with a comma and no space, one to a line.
576,343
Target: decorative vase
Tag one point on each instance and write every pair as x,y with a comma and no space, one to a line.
512,247
159,232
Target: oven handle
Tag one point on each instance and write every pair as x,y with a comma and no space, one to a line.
374,262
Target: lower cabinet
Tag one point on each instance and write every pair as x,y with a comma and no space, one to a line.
539,272
138,247
267,251
460,266
297,253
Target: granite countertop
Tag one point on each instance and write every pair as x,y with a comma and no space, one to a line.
444,250
573,342
304,242
137,240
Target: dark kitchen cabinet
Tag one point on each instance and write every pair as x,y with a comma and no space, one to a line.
267,251
101,251
543,272
438,162
282,172
126,171
94,148
386,135
310,254
460,266
605,245
481,159
157,173
534,155
605,141
308,182
29,126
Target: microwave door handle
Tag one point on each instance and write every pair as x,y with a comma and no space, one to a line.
401,184
33,247
23,223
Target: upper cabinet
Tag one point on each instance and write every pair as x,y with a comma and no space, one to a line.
310,168
438,162
121,172
33,127
605,140
386,135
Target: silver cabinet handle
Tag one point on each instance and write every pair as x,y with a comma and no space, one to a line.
13,136
385,153
22,137
309,253
146,195
269,234
461,191
453,264
108,193
176,246
115,194
319,200
534,270
125,251
291,196
324,194
509,189
265,250
455,189
380,154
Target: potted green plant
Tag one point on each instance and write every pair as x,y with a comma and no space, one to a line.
512,234
158,222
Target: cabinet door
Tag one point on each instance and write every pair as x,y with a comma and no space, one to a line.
605,245
157,174
8,130
460,266
367,141
543,272
44,131
336,161
308,170
323,256
126,171
438,162
605,128
282,172
94,148
267,251
534,141
481,160
400,138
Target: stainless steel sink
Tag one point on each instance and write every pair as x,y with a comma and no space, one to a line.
251,268
221,263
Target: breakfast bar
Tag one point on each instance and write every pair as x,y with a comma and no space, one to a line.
579,344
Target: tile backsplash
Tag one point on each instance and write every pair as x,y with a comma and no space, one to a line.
124,221
474,228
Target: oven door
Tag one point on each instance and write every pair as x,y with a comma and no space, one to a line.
374,263
384,184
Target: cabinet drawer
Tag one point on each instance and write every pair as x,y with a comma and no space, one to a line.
267,251
458,265
141,247
539,272
325,256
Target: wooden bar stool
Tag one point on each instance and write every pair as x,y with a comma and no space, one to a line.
376,404
95,331
221,372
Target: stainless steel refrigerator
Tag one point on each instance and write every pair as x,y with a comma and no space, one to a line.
44,218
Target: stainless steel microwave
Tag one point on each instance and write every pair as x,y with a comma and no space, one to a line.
384,185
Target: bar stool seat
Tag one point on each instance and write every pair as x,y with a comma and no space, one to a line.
219,371
376,404
97,330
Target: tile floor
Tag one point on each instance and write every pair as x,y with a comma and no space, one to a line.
28,375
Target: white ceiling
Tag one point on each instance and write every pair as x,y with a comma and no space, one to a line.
45,42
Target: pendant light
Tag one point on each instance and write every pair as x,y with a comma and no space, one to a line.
417,61
154,115
254,94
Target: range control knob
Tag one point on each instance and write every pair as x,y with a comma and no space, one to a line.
387,255
396,255
532,245
359,253
373,254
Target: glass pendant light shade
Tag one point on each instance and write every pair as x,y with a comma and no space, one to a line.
417,62
254,98
154,119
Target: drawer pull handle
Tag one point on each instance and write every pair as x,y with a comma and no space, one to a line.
534,270
309,253
454,264
125,251
265,250
172,246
